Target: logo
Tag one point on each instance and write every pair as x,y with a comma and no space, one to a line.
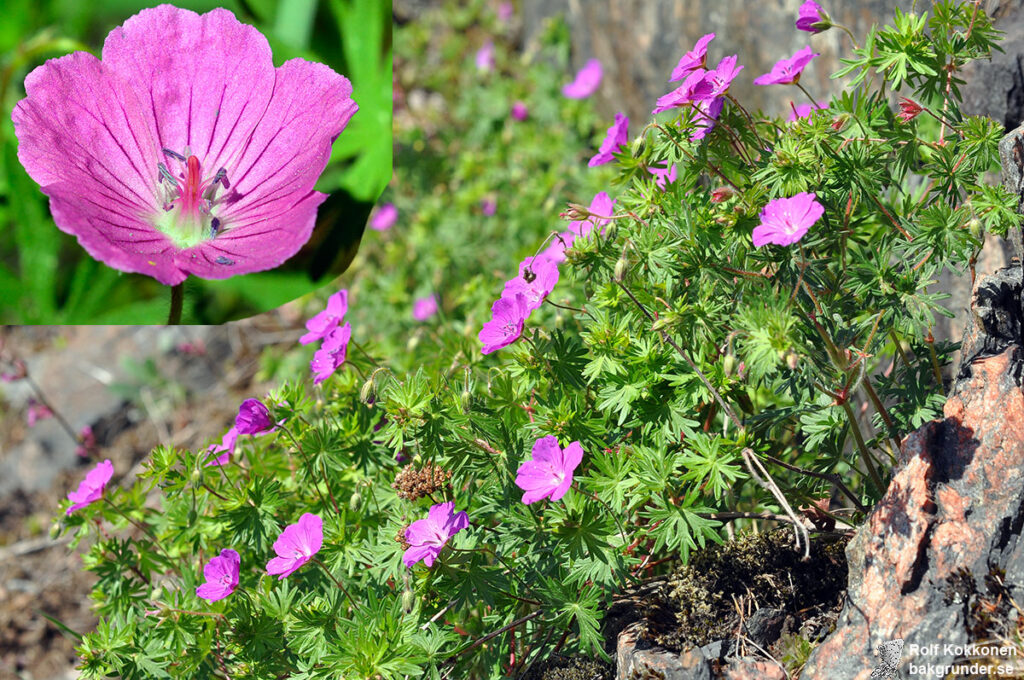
888,654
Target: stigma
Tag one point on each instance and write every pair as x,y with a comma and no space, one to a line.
189,200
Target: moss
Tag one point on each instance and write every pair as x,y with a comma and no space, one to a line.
755,571
570,668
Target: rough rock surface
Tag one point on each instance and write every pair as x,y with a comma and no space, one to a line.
948,530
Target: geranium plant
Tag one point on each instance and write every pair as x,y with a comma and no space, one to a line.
460,494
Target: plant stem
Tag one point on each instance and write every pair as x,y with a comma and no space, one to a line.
703,378
865,455
310,469
826,476
56,413
337,582
177,300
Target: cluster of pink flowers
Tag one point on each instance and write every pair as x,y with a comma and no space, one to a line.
548,474
326,327
295,546
537,277
703,89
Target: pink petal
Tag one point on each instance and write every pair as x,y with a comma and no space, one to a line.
283,566
311,529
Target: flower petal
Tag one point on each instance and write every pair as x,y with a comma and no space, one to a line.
209,78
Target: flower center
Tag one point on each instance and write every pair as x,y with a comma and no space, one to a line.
189,201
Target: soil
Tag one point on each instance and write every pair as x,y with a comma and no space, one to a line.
187,400
730,587
756,584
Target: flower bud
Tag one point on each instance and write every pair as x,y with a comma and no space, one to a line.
721,194
408,600
839,122
355,501
196,477
637,148
909,110
54,530
620,268
728,364
792,359
465,399
366,391
414,341
974,227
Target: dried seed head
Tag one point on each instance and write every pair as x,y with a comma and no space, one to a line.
413,483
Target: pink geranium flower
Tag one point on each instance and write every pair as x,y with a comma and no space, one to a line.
221,576
424,308
86,441
693,88
602,206
549,473
617,136
506,325
720,78
784,221
788,71
692,60
798,111
254,418
587,80
225,448
184,151
537,278
485,57
708,111
91,488
663,176
385,217
488,207
331,354
427,536
322,323
812,18
37,412
505,12
296,545
519,111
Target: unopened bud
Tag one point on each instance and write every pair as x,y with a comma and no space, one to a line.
839,122
575,212
355,501
637,148
620,268
414,341
54,530
909,110
408,600
792,359
974,227
721,194
465,400
366,391
196,476
728,364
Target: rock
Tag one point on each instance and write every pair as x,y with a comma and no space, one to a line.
945,540
637,659
995,88
639,42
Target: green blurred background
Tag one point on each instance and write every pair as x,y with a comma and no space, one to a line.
47,278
